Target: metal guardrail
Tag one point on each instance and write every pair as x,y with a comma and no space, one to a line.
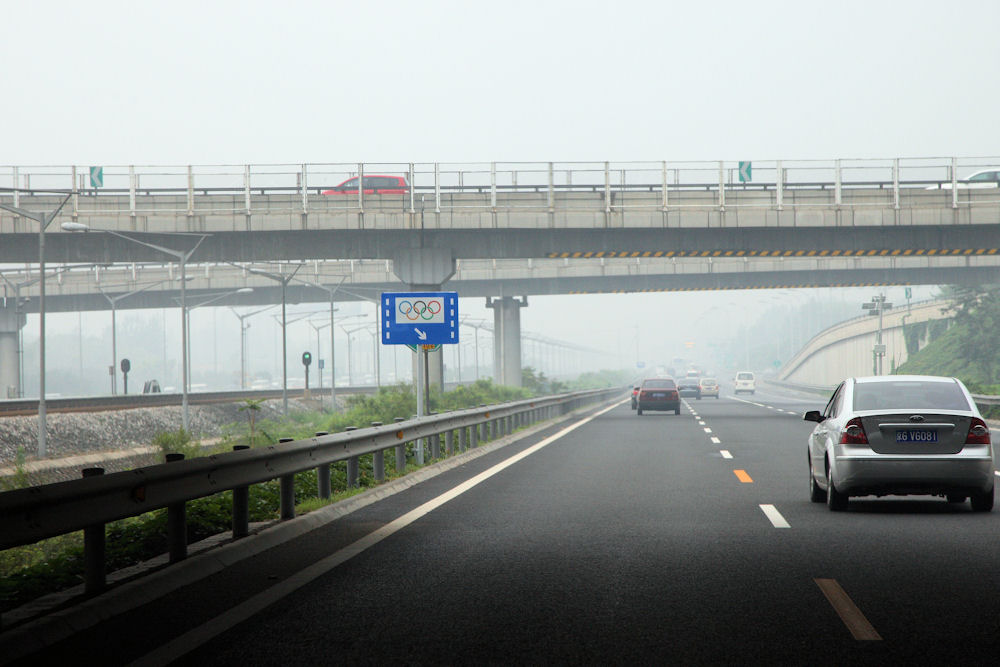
31,514
235,184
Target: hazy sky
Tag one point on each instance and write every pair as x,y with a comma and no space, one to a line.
101,82
182,82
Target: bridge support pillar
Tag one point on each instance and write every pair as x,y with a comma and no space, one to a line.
11,323
507,339
425,270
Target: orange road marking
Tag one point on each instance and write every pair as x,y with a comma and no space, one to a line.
743,476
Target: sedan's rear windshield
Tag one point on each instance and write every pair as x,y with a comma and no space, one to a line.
658,384
744,376
909,395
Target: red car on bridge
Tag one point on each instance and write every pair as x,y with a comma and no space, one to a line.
374,184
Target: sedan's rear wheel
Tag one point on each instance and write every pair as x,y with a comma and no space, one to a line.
677,411
835,500
638,411
982,501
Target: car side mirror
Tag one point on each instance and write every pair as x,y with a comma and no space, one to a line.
813,416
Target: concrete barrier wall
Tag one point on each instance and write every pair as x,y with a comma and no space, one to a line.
845,350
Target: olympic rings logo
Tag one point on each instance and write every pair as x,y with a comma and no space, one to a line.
419,309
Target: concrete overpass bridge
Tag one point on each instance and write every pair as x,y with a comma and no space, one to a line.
506,230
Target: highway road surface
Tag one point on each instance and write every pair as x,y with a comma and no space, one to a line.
674,539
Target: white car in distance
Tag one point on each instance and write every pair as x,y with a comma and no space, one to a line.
982,179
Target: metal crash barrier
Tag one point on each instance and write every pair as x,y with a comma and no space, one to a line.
35,513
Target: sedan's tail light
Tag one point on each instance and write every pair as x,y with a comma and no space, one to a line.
979,433
854,433
673,395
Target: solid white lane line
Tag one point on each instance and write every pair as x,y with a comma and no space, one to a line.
715,441
173,650
772,513
849,613
725,454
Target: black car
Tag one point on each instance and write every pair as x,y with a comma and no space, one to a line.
658,394
689,387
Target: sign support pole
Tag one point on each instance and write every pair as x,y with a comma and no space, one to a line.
421,399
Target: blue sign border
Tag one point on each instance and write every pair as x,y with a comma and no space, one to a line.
416,333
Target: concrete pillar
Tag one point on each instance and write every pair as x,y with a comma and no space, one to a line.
507,339
10,323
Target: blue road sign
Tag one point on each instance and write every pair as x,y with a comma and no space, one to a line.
419,318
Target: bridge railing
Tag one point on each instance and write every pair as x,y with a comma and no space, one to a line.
535,185
31,514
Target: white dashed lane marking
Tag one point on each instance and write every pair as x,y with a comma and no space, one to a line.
725,454
772,513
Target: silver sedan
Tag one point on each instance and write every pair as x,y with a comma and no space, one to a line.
900,435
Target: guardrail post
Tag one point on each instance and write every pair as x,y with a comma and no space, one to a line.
437,187
241,505
323,474
895,184
435,446
352,472
93,549
463,439
664,174
246,192
131,193
838,189
378,465
400,451
361,188
176,523
473,436
287,490
190,193
954,183
779,186
722,185
607,194
412,189
449,442
493,192
552,197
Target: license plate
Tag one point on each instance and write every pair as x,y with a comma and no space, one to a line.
923,435
660,395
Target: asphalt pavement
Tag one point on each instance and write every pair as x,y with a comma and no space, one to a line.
683,539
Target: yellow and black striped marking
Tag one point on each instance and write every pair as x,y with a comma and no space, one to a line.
909,252
714,288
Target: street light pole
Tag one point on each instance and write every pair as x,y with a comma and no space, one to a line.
216,296
182,258
284,280
333,363
319,355
243,341
43,220
113,300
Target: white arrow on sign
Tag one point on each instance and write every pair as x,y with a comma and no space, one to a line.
420,334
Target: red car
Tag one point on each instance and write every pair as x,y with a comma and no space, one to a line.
374,185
